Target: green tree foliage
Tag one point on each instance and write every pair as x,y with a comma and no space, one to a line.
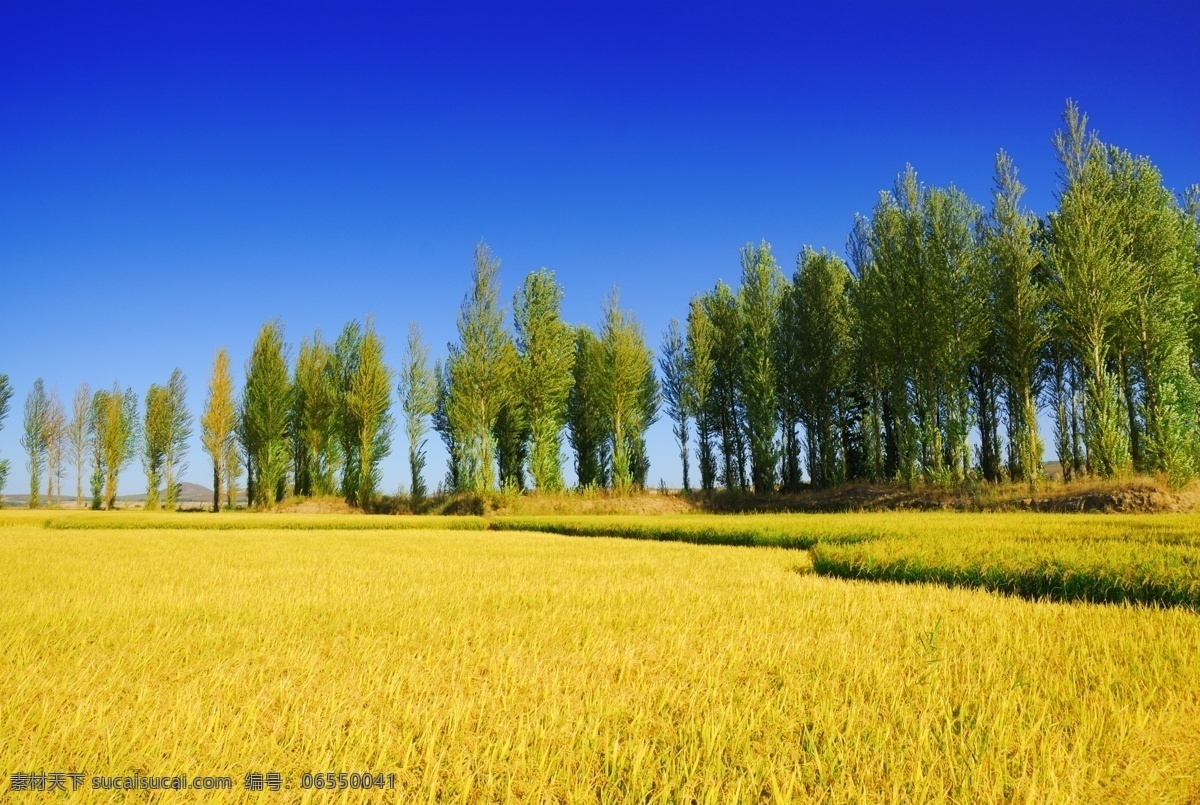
758,302
701,338
1022,328
925,301
628,393
820,312
545,373
217,429
1161,393
314,429
586,421
6,393
418,391
368,405
115,440
155,430
79,431
179,430
511,429
726,404
478,377
35,438
676,393
265,415
1094,285
346,352
441,424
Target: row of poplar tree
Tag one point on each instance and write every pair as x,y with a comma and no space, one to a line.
948,320
501,401
952,319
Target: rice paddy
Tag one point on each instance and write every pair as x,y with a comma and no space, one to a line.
469,665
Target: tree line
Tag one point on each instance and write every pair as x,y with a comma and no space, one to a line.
952,319
320,424
948,322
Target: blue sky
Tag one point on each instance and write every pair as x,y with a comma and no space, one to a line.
171,178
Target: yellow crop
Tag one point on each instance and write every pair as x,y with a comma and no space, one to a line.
487,666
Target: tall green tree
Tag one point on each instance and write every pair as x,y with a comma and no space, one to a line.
758,300
821,303
418,391
1094,285
628,390
217,429
441,424
179,431
315,408
511,429
1022,326
265,415
115,438
369,403
676,394
726,402
478,375
6,393
346,352
586,419
34,439
699,381
544,376
155,433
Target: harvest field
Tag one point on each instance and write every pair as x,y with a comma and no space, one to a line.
504,664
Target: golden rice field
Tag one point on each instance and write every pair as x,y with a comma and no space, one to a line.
494,665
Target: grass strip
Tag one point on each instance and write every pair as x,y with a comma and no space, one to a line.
775,531
1108,572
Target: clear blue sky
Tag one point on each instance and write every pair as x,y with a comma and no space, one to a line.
171,178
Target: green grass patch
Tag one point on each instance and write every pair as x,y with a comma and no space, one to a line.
795,531
1135,570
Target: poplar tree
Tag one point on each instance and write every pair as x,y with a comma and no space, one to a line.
418,392
1022,329
676,394
758,302
155,433
56,434
369,402
6,393
217,425
79,435
822,335
314,418
726,403
628,391
37,405
346,352
265,416
441,424
700,370
1094,284
477,373
586,428
179,430
1161,393
115,439
511,428
544,377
